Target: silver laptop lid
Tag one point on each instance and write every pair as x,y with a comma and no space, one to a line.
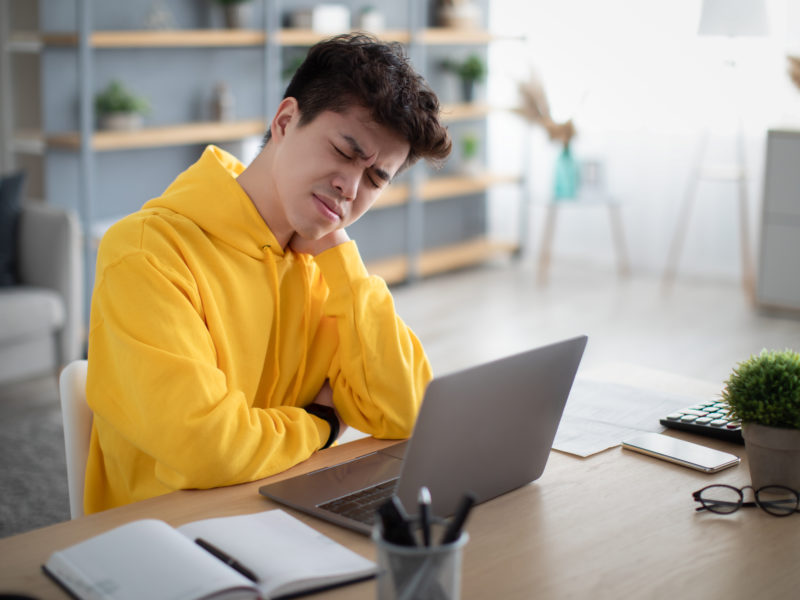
489,429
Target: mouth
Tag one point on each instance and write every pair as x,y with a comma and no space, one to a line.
328,207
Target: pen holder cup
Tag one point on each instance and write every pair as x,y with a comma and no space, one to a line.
419,572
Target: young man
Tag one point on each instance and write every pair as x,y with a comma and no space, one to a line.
234,328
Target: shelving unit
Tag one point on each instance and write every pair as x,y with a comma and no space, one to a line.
410,196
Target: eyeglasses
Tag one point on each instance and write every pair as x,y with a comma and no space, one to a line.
722,499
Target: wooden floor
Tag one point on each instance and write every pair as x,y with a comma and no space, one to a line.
697,328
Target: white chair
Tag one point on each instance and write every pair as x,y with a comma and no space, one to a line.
77,417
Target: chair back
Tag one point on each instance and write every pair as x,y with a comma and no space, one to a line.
77,418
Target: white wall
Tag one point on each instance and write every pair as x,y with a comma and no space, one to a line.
642,87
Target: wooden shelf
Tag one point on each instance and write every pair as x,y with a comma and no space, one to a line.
308,37
464,111
177,38
441,36
240,37
170,135
462,185
439,260
392,270
440,188
464,254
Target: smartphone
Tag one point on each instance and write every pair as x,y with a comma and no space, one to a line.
687,454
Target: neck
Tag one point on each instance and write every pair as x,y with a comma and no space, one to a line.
256,181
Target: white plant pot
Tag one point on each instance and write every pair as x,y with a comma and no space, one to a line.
460,16
120,121
773,454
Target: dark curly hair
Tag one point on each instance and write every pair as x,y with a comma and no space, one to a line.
358,69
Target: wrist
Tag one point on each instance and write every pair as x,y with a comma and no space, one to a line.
328,414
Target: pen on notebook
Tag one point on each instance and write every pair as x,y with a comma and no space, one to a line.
453,531
424,501
227,559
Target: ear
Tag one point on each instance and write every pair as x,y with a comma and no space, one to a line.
287,111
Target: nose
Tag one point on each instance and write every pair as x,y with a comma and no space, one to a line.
346,182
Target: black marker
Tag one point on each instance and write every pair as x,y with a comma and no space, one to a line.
453,531
396,528
227,559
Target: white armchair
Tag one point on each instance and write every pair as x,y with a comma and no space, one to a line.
41,318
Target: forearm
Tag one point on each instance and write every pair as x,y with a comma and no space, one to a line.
380,370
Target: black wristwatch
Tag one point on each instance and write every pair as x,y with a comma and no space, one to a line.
326,412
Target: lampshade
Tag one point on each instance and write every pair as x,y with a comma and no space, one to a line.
733,18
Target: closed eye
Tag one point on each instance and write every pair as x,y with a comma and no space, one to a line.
340,153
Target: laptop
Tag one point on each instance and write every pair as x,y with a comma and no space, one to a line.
486,430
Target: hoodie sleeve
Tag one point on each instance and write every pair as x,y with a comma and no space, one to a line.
157,392
380,371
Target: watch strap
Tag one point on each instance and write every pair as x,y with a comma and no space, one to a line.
328,414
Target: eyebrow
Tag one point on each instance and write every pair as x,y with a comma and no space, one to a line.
356,147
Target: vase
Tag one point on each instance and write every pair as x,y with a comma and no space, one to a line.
773,454
566,176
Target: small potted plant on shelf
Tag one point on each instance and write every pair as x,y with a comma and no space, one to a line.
235,11
119,109
470,165
763,393
470,71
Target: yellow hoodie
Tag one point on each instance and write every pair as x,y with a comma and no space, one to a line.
206,339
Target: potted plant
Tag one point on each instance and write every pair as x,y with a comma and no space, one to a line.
471,71
470,164
235,12
763,393
119,109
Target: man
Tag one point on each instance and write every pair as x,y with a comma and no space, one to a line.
234,328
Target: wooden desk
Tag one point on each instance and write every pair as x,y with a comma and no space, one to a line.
615,525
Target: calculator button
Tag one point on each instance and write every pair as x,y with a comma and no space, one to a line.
704,420
674,416
734,425
718,423
688,418
696,413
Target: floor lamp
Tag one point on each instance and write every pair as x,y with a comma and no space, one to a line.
729,18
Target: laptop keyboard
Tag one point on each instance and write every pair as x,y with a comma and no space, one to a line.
361,505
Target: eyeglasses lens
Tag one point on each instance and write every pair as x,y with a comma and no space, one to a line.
721,499
777,500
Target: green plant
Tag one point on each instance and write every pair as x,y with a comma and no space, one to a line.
765,389
469,146
116,98
471,69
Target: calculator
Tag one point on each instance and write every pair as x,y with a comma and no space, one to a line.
709,418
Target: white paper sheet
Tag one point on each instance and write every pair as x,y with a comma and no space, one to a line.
599,415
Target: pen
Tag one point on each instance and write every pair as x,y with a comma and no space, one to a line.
396,529
453,531
227,559
424,500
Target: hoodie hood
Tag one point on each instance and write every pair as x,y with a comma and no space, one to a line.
198,194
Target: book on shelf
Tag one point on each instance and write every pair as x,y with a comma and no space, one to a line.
263,555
